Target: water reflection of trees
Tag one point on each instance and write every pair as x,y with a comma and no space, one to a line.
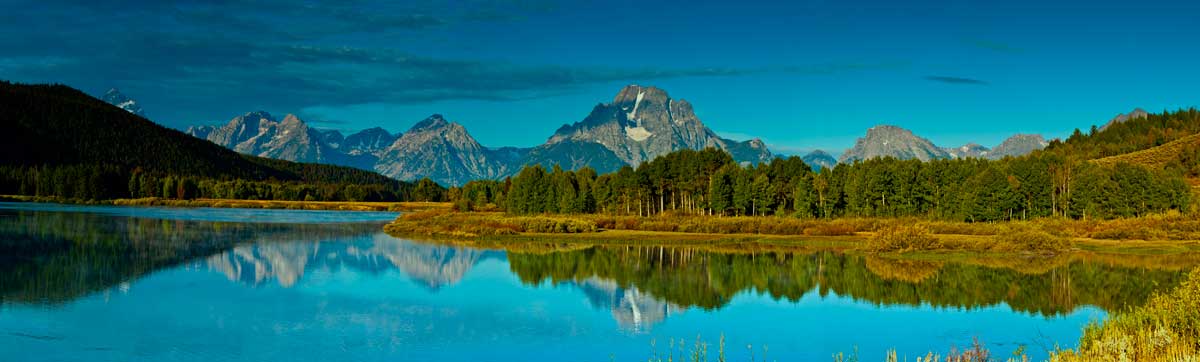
709,279
54,257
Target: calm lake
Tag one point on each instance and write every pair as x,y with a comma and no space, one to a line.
158,284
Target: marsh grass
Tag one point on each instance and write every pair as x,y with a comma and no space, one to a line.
1167,233
1167,328
469,225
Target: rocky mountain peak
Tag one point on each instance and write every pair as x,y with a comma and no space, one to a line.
969,150
292,121
892,141
1136,113
368,141
644,122
255,119
116,98
1018,145
818,159
441,150
633,94
432,122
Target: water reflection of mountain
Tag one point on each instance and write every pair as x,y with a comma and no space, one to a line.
633,310
54,257
432,265
692,277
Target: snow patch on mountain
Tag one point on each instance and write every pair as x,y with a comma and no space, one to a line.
638,133
633,114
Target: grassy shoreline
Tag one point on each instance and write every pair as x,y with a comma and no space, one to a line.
1152,235
243,204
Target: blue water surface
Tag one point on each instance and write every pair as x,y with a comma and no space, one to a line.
274,285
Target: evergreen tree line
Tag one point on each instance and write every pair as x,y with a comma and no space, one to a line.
104,182
709,182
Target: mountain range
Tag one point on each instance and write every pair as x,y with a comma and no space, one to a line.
259,134
639,124
892,141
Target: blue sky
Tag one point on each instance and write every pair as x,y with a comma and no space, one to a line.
799,74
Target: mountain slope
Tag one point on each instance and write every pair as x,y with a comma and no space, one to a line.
642,123
116,98
1018,145
970,150
572,155
259,134
1133,134
368,141
892,141
440,150
1136,113
818,159
59,125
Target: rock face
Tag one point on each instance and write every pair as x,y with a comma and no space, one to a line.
970,150
1134,114
258,134
892,141
330,137
818,159
368,141
116,98
442,151
642,123
1018,145
572,155
885,141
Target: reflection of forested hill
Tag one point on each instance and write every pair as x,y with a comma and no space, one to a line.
434,266
689,277
55,257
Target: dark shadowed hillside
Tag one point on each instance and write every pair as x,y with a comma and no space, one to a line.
52,135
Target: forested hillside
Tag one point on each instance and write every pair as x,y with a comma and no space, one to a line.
1134,134
58,141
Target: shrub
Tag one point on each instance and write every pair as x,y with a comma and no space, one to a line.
904,238
1029,239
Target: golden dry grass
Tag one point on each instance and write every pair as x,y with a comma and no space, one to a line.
1157,234
1156,157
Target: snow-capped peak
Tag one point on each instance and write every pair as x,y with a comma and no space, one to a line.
116,98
